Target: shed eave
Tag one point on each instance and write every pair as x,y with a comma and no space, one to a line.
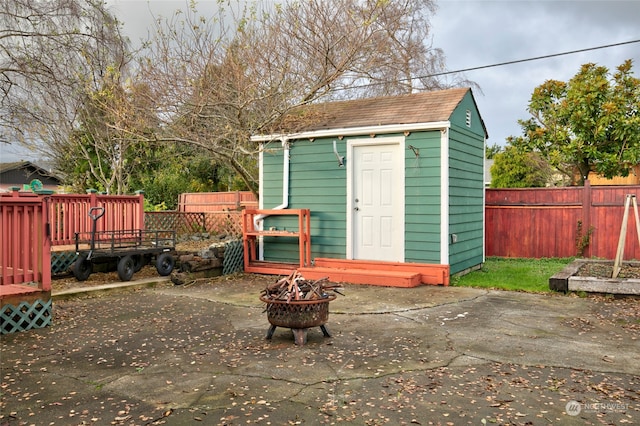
354,131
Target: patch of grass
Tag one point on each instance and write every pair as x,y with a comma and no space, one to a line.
530,275
97,385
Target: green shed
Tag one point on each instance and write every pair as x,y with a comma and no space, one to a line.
390,180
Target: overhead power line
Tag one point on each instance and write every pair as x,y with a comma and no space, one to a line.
499,64
535,58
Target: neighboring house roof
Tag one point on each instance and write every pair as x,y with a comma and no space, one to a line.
425,107
20,172
21,165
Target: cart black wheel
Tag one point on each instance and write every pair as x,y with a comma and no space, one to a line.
164,264
82,268
126,268
138,262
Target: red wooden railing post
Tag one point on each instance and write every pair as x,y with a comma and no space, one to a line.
93,202
140,209
93,197
46,245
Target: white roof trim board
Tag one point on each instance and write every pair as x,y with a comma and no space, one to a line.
354,131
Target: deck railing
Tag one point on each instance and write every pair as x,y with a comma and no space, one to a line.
24,244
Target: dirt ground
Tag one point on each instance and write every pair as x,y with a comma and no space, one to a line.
68,281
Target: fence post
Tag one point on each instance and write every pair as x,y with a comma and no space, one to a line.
45,229
586,214
140,194
93,198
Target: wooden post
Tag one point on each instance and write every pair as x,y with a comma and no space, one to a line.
139,210
635,210
623,232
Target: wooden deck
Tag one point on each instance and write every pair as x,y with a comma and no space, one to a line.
388,274
363,276
11,290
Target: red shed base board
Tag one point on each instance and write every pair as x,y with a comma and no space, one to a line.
390,274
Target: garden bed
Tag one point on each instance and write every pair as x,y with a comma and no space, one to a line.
594,276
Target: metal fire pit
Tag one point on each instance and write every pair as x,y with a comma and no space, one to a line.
298,315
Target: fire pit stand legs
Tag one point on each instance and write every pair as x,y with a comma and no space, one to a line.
299,334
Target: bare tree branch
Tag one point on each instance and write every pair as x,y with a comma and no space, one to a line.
216,81
53,56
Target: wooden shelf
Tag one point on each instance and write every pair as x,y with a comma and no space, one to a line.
250,237
272,234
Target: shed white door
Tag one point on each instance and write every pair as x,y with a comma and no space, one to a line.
378,202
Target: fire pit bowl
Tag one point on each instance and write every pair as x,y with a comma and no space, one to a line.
298,315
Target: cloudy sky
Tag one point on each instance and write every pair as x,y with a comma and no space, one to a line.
477,33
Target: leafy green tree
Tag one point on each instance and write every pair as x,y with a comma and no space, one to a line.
491,151
591,123
170,170
513,168
104,149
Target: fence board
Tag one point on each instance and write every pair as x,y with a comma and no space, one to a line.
543,222
216,201
69,213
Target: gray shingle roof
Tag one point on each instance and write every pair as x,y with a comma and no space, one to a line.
5,167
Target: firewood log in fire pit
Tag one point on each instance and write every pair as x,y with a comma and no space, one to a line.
295,287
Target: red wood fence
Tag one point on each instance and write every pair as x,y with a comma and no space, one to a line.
69,213
557,222
216,201
24,246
